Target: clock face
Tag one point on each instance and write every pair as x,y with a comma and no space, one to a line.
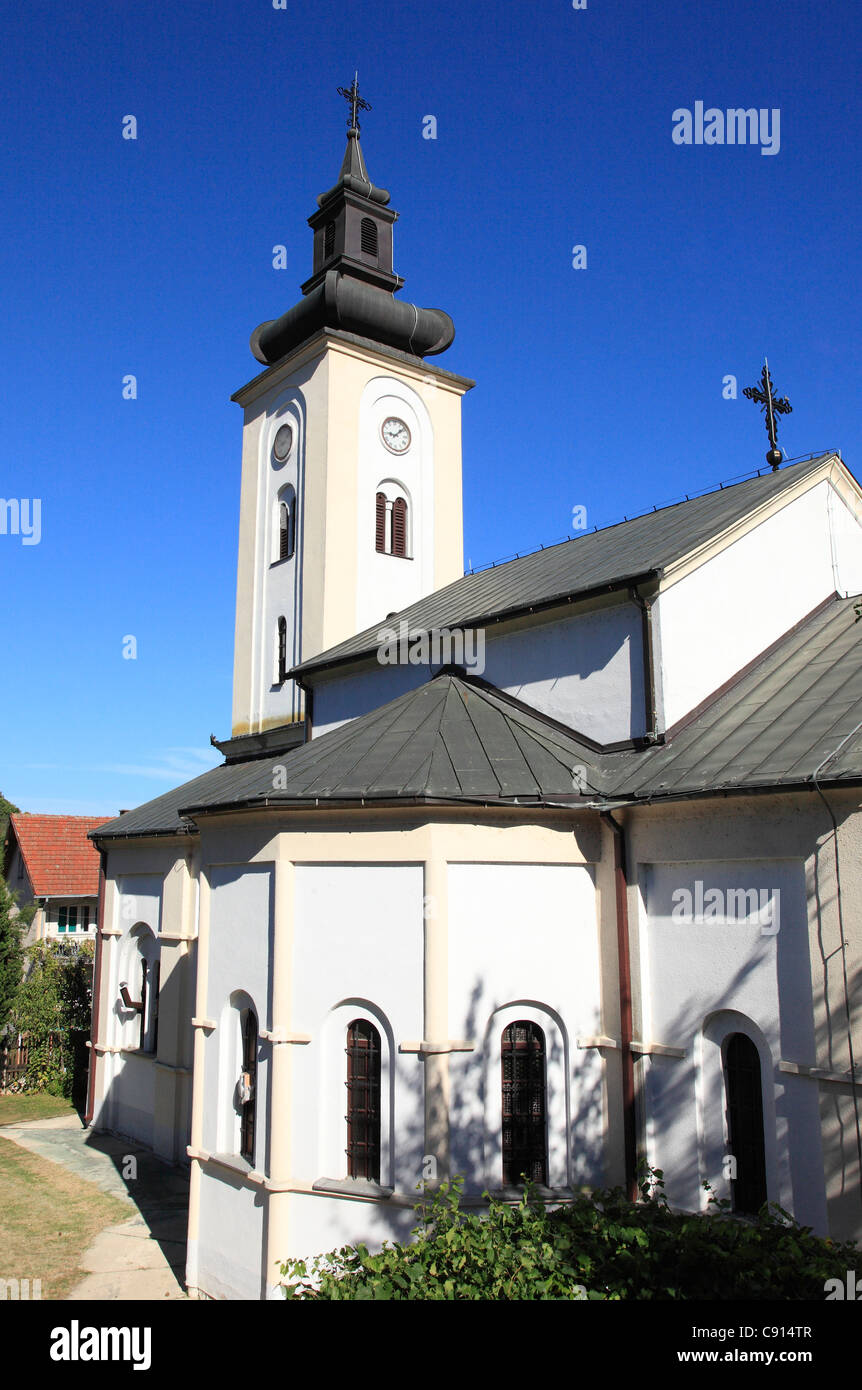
283,442
395,435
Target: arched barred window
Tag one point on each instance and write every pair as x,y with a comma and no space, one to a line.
525,1149
282,651
247,1086
363,1100
286,528
744,1099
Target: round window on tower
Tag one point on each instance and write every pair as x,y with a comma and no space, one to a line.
282,444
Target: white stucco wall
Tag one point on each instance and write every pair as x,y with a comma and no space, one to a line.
229,1248
585,671
702,981
278,583
386,583
344,916
524,944
721,616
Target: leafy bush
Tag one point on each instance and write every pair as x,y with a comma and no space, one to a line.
600,1246
52,1005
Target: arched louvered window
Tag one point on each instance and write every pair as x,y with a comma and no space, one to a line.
368,237
286,529
380,524
744,1095
363,1100
525,1150
328,240
399,526
248,1083
282,650
392,520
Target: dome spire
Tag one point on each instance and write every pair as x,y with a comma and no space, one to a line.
353,282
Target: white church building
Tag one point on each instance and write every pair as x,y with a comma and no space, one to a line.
533,871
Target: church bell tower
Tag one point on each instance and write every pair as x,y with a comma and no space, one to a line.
350,503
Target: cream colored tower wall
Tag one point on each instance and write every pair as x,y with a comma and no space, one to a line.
336,392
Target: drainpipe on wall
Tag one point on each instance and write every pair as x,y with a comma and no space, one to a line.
648,649
97,990
625,978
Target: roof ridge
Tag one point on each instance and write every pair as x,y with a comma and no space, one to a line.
727,486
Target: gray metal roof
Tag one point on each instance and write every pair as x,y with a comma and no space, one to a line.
776,726
458,740
449,740
628,551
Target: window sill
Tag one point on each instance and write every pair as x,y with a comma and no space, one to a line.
353,1187
235,1162
545,1194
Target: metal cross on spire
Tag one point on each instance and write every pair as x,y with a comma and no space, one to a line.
766,399
356,102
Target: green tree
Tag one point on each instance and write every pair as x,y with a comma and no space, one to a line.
7,809
11,954
54,1003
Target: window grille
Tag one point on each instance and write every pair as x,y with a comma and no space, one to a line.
249,1083
524,1104
282,651
363,1101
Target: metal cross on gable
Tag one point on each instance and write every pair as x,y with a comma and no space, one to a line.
357,104
766,399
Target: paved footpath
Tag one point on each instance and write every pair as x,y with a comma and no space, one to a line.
144,1257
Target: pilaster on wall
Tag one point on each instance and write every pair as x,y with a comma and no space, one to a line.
279,1158
201,1032
436,983
176,988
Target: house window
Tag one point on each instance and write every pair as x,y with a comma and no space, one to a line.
67,919
744,1098
391,521
368,237
282,650
363,1100
248,1084
525,1152
328,240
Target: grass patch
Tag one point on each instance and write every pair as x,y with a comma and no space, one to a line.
48,1218
14,1110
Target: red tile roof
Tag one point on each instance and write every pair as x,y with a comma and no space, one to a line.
57,854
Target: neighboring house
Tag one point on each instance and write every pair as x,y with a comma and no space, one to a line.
49,860
595,895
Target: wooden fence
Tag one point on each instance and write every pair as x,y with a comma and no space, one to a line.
14,1059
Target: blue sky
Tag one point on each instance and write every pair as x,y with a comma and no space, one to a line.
599,387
